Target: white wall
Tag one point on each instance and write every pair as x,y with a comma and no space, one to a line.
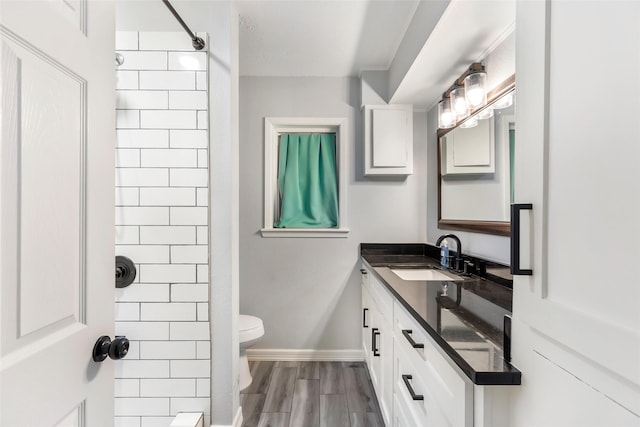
307,291
162,225
500,64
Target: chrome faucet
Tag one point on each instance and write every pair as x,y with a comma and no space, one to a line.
459,262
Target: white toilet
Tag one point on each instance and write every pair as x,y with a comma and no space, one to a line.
251,330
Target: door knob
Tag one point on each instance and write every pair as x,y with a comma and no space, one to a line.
116,349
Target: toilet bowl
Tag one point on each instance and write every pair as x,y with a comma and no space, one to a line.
250,329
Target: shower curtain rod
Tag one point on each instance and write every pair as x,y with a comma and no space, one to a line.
197,42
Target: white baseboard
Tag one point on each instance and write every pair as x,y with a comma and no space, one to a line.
305,355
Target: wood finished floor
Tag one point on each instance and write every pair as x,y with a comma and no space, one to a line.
310,394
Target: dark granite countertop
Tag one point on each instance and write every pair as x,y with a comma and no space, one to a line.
463,315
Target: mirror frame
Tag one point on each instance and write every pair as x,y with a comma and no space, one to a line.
501,228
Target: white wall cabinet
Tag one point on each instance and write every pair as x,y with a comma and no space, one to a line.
388,139
581,237
470,150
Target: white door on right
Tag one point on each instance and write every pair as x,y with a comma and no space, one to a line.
576,331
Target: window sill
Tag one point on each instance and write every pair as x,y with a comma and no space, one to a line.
305,232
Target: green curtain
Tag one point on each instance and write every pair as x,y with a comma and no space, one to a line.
307,181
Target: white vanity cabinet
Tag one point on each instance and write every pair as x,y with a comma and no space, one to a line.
388,139
416,382
378,341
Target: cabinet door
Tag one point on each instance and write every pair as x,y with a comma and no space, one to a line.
366,323
375,365
579,309
388,137
385,342
381,345
381,361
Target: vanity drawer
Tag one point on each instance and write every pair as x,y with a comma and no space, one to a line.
415,402
450,389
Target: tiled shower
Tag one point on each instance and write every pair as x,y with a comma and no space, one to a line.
162,225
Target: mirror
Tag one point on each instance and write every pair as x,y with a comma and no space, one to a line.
475,173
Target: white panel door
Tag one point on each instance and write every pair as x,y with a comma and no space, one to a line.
577,163
57,251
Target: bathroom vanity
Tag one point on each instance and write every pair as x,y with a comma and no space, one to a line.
433,339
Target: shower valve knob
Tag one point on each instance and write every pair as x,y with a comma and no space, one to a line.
116,349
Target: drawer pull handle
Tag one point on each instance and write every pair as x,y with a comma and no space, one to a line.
363,271
374,341
414,396
364,317
407,335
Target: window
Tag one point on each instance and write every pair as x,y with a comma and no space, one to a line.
285,219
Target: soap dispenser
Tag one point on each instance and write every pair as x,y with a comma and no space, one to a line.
444,255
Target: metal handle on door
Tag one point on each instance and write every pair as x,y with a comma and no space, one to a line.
116,349
515,238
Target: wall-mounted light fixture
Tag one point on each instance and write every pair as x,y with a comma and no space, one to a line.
468,93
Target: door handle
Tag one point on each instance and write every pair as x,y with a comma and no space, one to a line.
364,317
414,396
515,238
116,349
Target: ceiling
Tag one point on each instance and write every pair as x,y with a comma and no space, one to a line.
320,37
338,38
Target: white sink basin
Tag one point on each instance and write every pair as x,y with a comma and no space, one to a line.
421,274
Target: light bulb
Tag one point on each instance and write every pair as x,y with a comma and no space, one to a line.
446,117
459,103
476,89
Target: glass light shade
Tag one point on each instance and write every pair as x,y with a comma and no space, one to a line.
471,122
459,103
504,102
446,117
486,113
475,86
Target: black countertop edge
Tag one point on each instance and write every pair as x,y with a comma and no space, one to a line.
511,376
427,250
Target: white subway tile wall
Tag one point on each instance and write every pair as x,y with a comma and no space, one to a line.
162,225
